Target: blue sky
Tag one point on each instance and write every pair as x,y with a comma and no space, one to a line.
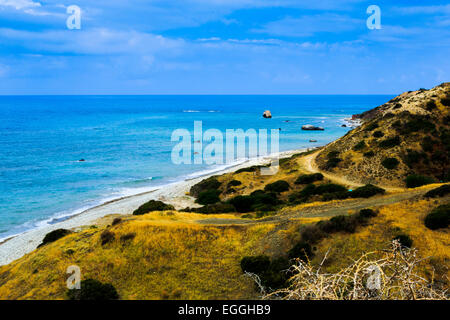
223,47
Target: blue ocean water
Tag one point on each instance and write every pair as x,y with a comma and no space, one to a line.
126,144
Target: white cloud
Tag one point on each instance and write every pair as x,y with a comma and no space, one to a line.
19,4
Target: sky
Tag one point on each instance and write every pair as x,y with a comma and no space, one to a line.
222,47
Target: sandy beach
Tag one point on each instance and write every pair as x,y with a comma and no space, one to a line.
174,194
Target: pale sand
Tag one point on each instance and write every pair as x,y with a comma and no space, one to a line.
175,194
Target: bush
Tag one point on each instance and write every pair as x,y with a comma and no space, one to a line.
415,180
278,186
438,218
116,221
309,178
367,213
413,157
242,204
428,144
378,134
234,183
359,146
366,191
256,264
250,169
312,234
208,184
372,126
418,123
369,154
404,240
332,163
332,154
390,142
329,188
220,207
446,101
93,290
302,250
390,163
107,237
127,237
208,197
335,195
340,224
54,235
431,105
152,205
438,192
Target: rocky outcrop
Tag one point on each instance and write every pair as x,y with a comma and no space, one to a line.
312,128
267,114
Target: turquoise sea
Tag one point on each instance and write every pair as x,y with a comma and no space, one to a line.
126,144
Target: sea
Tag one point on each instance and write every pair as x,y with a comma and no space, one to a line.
61,155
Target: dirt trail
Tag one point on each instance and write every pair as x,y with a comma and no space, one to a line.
323,210
308,162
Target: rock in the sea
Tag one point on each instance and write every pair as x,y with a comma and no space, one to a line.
311,127
344,126
312,140
267,114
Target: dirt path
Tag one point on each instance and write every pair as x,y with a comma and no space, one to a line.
323,210
308,162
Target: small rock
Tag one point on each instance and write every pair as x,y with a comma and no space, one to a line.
267,114
311,127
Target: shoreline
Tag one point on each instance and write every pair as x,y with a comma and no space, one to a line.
16,246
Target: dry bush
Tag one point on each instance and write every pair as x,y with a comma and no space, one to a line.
384,275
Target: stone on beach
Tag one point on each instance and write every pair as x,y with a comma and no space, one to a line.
311,127
267,114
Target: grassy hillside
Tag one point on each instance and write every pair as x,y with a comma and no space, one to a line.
306,211
408,135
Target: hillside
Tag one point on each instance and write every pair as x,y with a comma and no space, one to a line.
325,216
408,135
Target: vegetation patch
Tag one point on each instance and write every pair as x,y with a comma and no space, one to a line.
390,163
208,184
91,289
378,134
257,201
152,205
390,142
369,154
366,191
359,146
54,235
416,180
309,178
438,192
438,218
208,197
404,240
278,186
234,183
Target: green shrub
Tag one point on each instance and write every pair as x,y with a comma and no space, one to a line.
438,218
390,142
107,237
340,224
242,204
54,235
220,207
404,240
418,123
369,154
278,186
412,157
312,234
390,163
359,146
366,191
335,195
431,105
152,205
446,101
93,290
372,126
127,237
438,192
378,134
208,197
329,188
208,184
250,169
233,183
428,144
332,154
332,163
302,250
309,178
415,180
367,213
255,264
